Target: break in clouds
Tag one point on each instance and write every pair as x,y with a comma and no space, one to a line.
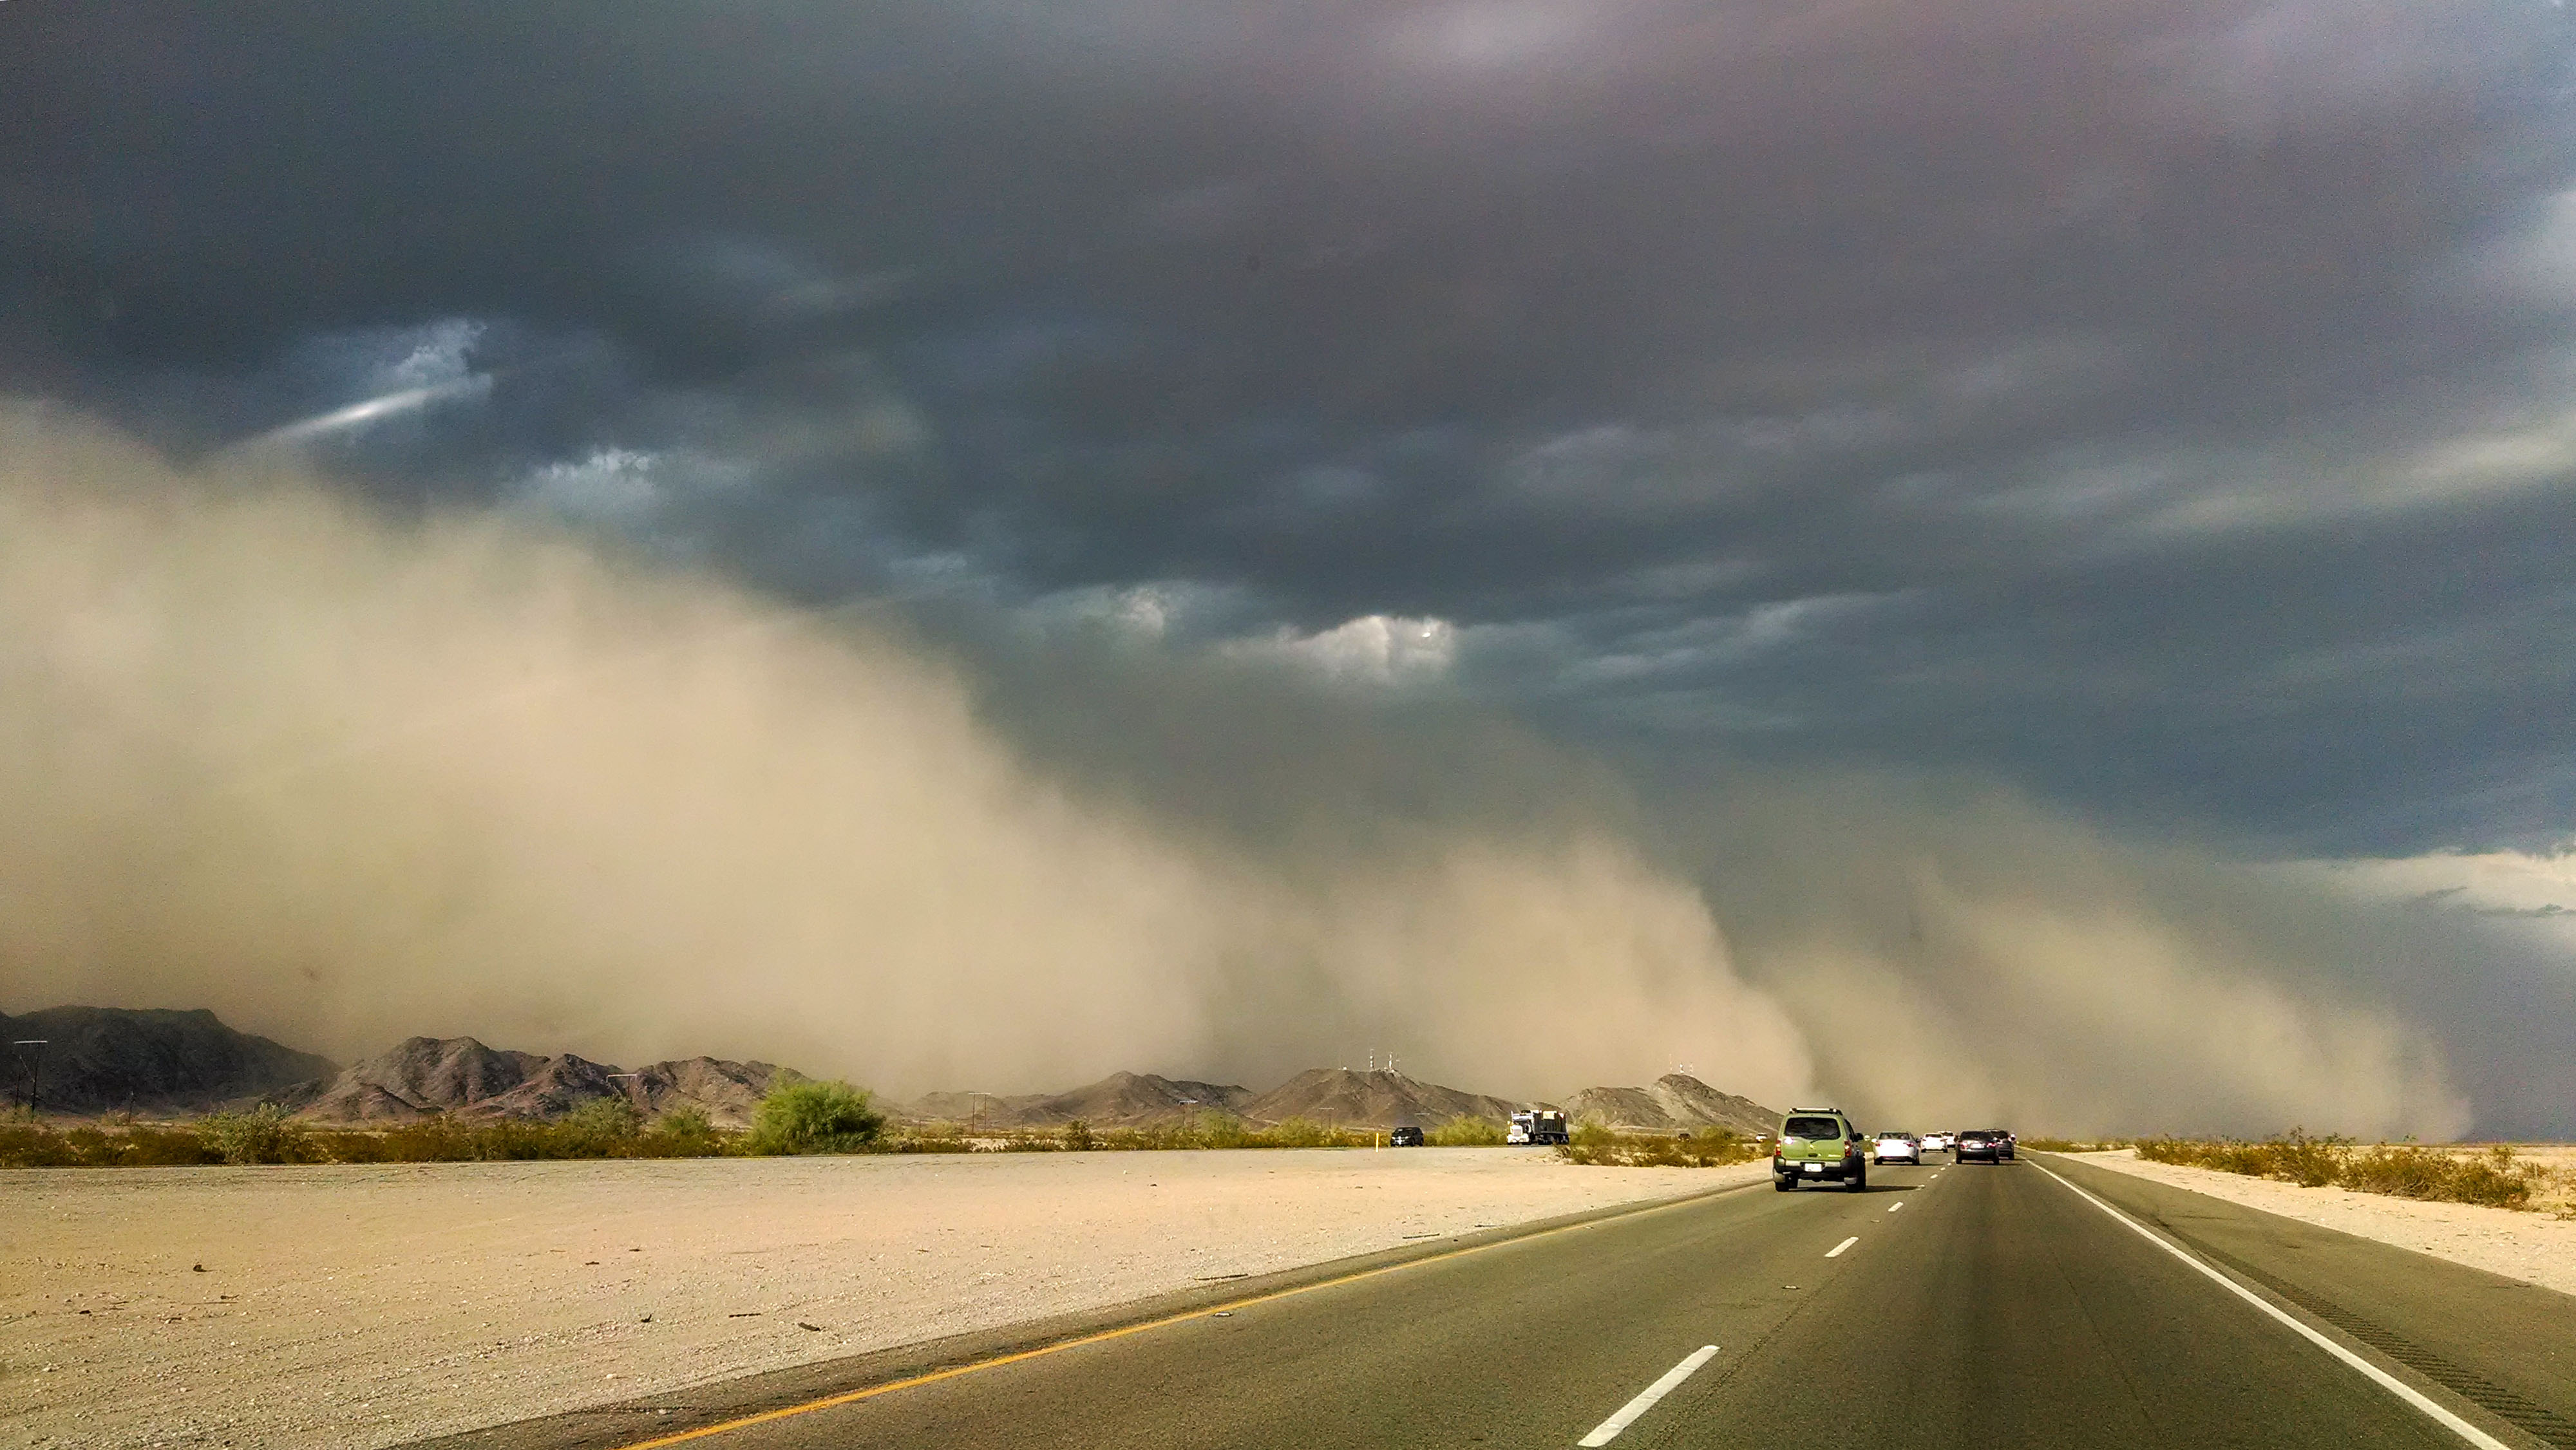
346,777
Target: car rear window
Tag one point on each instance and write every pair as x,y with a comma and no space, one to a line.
1812,1128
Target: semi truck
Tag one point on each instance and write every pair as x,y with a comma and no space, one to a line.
1538,1125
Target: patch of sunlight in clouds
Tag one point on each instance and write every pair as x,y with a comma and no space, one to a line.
1374,649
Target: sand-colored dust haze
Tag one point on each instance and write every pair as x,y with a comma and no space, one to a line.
346,779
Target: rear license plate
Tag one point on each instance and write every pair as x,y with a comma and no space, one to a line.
1815,1167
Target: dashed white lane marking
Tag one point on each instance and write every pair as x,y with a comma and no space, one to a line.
1893,1207
2385,1380
1836,1251
1608,1430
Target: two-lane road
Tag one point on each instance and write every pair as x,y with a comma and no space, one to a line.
1967,1305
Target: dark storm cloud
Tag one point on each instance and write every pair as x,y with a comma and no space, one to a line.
2161,404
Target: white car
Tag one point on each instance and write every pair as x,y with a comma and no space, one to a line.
1895,1148
1936,1142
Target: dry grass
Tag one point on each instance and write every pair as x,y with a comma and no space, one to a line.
612,1131
1598,1145
2500,1176
266,1137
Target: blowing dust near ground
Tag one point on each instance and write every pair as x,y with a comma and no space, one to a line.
345,778
349,780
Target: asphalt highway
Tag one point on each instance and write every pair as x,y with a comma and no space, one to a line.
2039,1303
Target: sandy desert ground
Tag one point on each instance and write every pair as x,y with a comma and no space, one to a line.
365,1306
2537,1248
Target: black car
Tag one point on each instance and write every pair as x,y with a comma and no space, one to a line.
1405,1138
1992,1145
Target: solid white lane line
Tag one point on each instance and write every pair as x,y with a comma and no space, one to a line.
1836,1251
1608,1430
2382,1378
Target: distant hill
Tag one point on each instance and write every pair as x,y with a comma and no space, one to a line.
1120,1100
422,1076
1675,1102
1129,1100
1383,1099
102,1059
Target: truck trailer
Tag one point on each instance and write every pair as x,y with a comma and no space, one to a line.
1538,1125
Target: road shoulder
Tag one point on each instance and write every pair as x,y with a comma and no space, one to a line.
2500,1350
603,1426
2534,1248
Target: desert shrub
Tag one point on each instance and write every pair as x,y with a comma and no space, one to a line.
1078,1136
1597,1145
1467,1131
815,1117
2492,1178
2405,1170
265,1134
30,1145
437,1139
163,1148
598,1128
2308,1162
683,1132
929,1140
515,1140
1214,1128
1295,1133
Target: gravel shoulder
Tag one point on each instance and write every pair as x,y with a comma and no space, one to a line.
2535,1248
366,1306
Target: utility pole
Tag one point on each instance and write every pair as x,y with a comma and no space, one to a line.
35,1072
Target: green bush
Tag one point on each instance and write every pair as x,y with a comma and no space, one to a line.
265,1134
815,1117
1467,1131
683,1132
1297,1133
599,1128
1216,1128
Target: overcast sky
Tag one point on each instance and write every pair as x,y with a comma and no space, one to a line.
1918,473
2164,407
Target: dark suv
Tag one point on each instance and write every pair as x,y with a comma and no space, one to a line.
1405,1137
1992,1145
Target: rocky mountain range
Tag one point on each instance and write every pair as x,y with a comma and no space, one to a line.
1675,1103
1120,1100
102,1059
422,1076
1380,1099
110,1059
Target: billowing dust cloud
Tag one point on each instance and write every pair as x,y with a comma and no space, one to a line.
345,781
345,778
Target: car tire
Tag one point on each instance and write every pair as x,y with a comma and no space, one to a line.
1858,1183
1784,1184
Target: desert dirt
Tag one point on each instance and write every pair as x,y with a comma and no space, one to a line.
365,1306
2537,1248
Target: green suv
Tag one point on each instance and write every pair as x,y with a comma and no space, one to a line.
1819,1145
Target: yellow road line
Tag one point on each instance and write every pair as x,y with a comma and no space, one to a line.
854,1396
